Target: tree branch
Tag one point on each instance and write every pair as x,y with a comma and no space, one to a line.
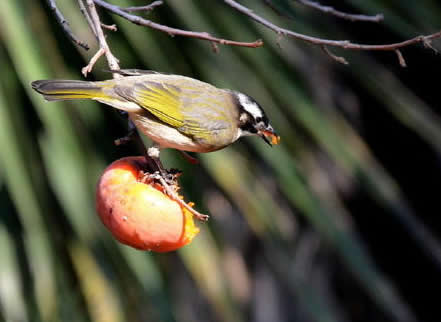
401,59
339,59
86,15
345,44
109,27
65,25
340,14
104,47
172,31
149,7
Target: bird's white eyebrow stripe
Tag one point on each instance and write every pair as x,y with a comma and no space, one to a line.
249,106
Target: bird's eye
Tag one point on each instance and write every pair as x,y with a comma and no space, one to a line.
258,119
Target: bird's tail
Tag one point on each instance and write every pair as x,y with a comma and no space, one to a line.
56,90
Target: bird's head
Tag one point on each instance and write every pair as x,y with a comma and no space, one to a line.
253,121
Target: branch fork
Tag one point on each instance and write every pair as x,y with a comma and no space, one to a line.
97,28
345,44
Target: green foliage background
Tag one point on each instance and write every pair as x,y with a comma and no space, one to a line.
284,241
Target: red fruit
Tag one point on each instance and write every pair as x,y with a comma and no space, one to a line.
138,214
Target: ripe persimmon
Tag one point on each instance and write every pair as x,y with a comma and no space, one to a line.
139,213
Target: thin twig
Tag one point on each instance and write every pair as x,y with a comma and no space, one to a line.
87,69
109,27
65,25
340,14
149,7
173,31
339,59
345,44
87,16
401,58
104,47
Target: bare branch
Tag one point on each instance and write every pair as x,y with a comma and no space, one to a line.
104,47
340,14
87,69
401,59
109,27
339,59
65,25
86,15
173,31
345,44
149,7
428,44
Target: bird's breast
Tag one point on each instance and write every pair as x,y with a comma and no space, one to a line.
169,137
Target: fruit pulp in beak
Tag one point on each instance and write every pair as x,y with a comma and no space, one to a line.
270,137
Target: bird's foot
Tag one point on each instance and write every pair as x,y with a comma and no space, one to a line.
132,135
171,188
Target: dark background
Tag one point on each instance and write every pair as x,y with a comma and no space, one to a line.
337,223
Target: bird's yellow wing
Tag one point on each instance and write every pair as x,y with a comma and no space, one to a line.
164,101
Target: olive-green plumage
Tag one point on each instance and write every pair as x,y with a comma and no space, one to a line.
174,111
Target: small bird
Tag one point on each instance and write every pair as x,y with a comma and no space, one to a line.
173,111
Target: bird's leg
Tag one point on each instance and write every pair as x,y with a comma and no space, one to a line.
167,179
156,171
152,156
171,192
131,135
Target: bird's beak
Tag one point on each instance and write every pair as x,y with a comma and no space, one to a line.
269,136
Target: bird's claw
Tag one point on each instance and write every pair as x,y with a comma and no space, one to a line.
170,185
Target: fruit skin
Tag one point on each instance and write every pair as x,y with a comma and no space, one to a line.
138,214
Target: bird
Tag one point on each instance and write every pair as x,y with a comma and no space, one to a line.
174,111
